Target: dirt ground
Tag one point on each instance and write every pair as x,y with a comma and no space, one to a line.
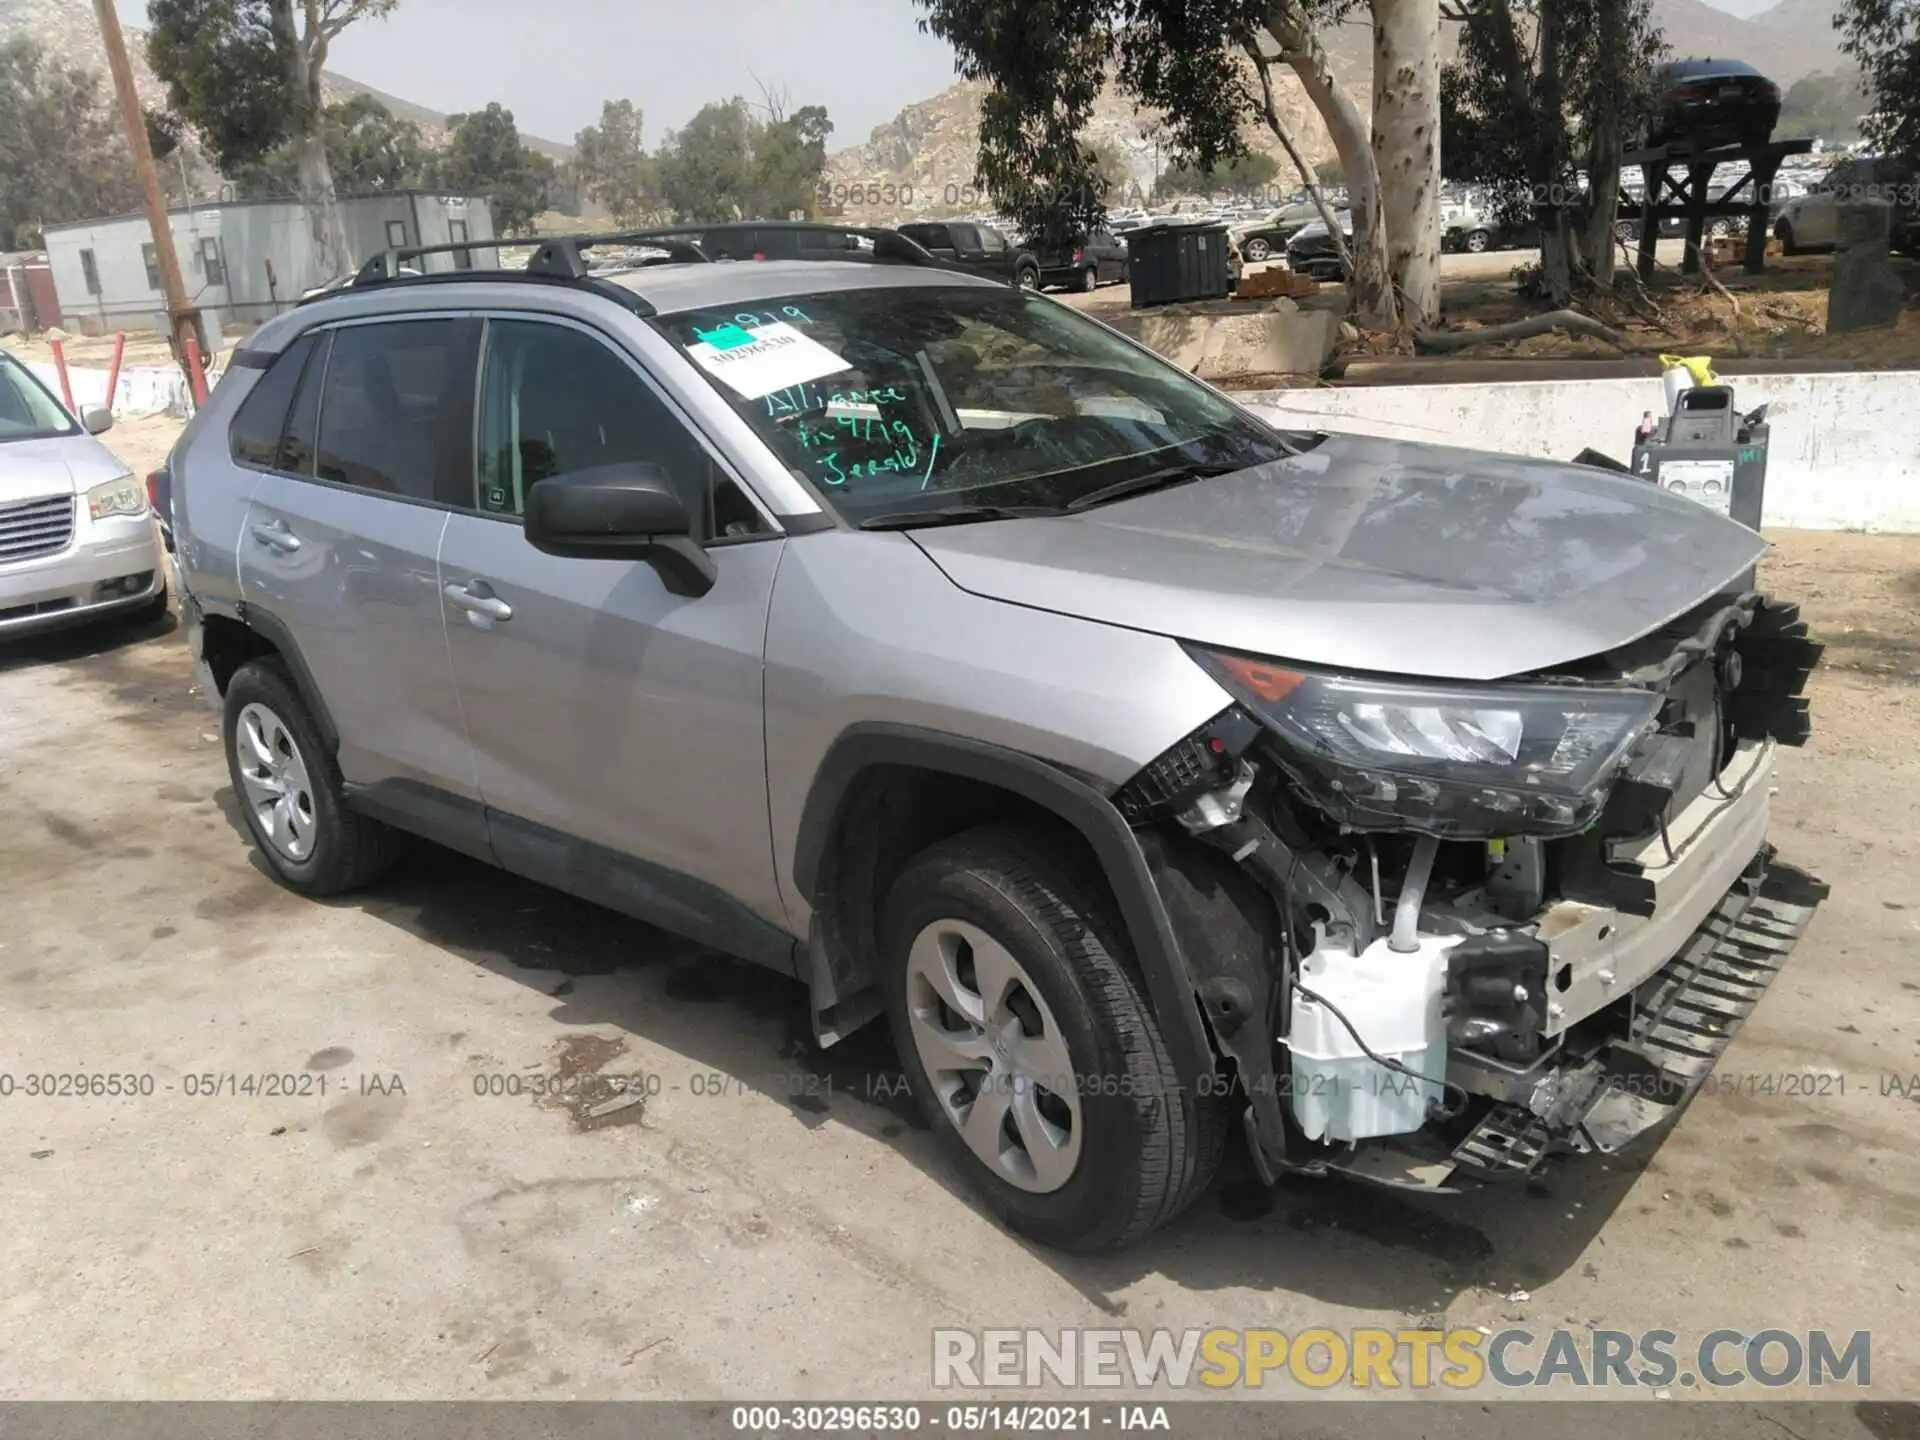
772,1221
1780,315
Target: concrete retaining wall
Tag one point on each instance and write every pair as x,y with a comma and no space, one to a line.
1844,455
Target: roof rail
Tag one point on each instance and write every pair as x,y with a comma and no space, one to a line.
560,257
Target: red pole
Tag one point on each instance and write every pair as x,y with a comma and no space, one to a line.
113,372
60,364
196,373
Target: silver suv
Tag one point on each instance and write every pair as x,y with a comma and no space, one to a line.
1160,775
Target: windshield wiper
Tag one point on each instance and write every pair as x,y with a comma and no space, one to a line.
1152,480
956,515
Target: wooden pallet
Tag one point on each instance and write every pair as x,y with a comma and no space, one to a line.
1275,281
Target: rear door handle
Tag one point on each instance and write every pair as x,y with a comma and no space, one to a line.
478,599
275,535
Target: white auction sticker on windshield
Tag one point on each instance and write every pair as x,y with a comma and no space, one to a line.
755,363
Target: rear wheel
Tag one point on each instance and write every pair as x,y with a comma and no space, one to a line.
290,792
1783,232
1258,249
1024,1028
1479,242
1090,278
1027,277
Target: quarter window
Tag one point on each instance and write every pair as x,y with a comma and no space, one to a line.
555,401
262,419
390,419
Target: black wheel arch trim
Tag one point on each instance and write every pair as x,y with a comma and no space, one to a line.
1115,847
271,628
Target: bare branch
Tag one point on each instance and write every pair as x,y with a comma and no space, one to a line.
1309,176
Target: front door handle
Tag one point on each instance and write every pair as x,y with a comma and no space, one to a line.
478,600
275,535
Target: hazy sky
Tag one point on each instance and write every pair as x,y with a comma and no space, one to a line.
552,64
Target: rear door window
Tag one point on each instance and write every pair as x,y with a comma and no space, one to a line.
262,419
933,237
397,409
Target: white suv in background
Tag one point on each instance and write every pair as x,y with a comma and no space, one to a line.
77,536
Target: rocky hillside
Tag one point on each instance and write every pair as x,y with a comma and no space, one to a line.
69,29
929,148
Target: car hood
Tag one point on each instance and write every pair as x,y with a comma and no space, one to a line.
64,465
1373,555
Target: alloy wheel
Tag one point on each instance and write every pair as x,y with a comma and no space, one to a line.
1257,250
273,773
994,1055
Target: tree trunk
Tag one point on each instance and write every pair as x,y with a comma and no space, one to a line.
1605,146
1556,259
1406,148
306,56
1371,286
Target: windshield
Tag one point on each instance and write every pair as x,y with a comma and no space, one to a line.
923,400
27,410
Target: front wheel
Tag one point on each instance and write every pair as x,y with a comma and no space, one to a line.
1479,242
1024,1028
1258,250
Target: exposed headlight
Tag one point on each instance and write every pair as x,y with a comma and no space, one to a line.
117,497
1449,760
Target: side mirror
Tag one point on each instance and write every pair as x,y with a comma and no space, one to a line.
98,420
620,512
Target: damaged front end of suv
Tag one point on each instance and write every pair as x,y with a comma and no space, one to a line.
1443,930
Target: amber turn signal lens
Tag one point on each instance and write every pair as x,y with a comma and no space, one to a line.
1267,681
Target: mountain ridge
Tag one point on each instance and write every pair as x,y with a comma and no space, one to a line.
68,30
932,144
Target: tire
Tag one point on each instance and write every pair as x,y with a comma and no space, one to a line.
323,847
1027,278
1090,278
1258,249
154,609
1479,242
1784,233
1131,1148
1719,230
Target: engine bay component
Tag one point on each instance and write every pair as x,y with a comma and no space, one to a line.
1350,1010
1496,994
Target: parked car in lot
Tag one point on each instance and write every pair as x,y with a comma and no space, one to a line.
1811,221
1312,251
1709,103
1161,776
77,536
1100,259
1267,235
980,248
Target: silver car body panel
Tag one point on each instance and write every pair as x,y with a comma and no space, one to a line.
362,594
865,629
1374,555
610,709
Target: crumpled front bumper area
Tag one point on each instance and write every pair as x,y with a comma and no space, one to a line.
1684,1017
